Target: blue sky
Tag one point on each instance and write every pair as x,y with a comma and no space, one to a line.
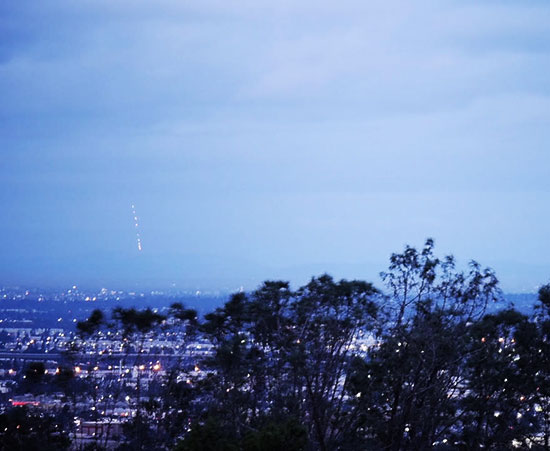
266,139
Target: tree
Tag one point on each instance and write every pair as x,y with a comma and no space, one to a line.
22,429
130,328
158,419
497,408
408,384
533,347
212,435
338,365
281,354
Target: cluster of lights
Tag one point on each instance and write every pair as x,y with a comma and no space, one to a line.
136,224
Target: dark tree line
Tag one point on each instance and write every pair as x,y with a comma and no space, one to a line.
342,365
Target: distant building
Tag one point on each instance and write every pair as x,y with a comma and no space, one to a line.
102,429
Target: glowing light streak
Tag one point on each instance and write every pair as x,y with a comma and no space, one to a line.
136,226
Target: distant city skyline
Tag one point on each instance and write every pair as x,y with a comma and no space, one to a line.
271,140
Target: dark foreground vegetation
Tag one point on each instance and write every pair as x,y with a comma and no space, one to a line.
337,366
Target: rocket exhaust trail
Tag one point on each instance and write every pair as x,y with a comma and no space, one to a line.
136,226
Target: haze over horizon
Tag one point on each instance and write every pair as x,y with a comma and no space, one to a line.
268,139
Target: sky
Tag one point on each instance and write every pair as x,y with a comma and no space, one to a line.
265,139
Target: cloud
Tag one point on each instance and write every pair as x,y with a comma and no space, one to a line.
112,56
268,127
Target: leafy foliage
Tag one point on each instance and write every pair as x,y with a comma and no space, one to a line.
342,365
22,429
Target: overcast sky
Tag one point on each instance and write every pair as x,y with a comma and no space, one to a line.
266,139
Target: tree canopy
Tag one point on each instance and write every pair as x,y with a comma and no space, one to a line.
418,364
